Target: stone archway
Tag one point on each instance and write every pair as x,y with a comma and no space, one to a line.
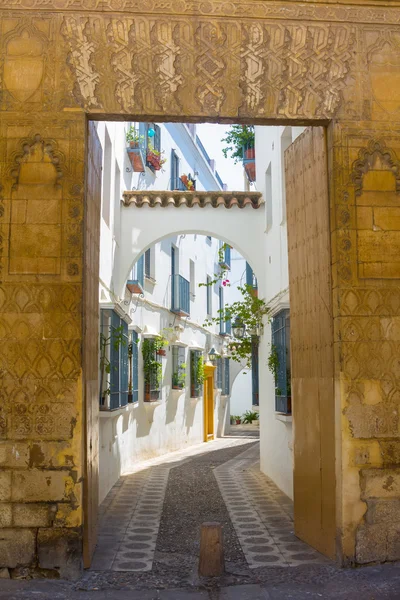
259,62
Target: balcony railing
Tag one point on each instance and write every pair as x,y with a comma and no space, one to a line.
249,162
180,295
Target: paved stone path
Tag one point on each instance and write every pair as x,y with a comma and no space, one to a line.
131,513
262,515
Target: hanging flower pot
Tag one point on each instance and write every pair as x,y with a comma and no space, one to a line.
162,352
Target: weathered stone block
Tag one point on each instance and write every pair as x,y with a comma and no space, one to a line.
17,547
380,483
390,452
61,549
5,515
371,544
39,486
33,515
5,486
383,511
393,542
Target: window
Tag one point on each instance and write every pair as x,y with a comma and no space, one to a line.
192,268
114,356
178,368
286,141
196,373
136,282
251,279
281,345
218,379
152,367
175,181
209,296
209,239
147,263
226,380
268,197
134,368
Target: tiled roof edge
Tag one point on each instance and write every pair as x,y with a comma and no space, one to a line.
189,199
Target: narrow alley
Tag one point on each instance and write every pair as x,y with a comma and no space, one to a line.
148,545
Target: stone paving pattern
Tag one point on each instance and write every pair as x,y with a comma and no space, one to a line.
261,514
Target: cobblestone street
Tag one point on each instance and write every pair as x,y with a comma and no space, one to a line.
149,537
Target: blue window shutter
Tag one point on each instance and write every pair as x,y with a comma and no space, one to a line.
227,382
124,371
249,275
140,270
219,373
114,363
157,138
135,367
254,371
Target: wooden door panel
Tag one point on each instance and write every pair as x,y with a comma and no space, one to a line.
91,343
311,330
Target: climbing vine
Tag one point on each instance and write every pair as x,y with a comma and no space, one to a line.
250,311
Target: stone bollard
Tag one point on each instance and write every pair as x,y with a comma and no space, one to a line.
211,560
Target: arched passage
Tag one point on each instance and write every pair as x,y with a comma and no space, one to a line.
241,225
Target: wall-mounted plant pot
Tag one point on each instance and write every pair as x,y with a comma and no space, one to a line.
133,144
136,156
162,352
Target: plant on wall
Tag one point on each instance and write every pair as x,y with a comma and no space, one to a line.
273,362
238,138
251,311
116,338
152,366
222,275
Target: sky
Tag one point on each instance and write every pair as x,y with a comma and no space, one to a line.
210,135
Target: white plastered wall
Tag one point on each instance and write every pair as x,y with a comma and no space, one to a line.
276,433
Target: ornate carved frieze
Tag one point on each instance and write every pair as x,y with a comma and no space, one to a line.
353,11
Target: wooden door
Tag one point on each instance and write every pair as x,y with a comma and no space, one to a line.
209,403
91,344
311,338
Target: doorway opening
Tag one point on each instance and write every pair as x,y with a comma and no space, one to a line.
171,191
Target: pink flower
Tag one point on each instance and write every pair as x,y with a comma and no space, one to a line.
225,282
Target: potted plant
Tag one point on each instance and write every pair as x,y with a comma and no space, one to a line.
236,419
134,138
249,416
160,346
240,146
188,182
155,159
152,368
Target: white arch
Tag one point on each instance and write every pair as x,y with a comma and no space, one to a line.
242,228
